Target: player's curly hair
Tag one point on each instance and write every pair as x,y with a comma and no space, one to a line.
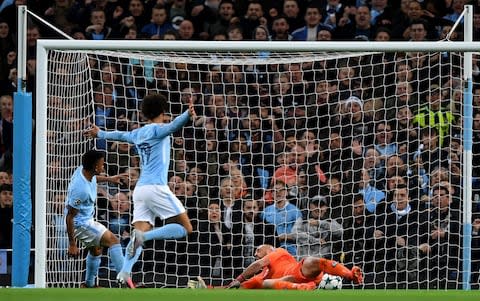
90,158
153,105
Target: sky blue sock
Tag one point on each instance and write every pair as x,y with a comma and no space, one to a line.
116,257
128,261
93,263
169,231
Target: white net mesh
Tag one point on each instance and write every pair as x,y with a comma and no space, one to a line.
341,130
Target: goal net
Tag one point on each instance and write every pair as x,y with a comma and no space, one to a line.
355,157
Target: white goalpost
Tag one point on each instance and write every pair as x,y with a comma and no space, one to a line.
345,117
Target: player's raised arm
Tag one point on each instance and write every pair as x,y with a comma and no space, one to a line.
191,109
91,132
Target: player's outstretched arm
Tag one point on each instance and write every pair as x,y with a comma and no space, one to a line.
249,272
117,179
94,132
91,132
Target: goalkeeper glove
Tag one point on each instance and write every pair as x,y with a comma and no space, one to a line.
357,275
197,284
237,282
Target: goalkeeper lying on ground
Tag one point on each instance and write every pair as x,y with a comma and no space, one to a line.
275,268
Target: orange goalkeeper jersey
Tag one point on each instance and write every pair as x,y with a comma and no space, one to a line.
283,264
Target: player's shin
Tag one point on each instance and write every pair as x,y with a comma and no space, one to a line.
93,263
130,261
116,256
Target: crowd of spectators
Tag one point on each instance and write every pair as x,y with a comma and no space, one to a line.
358,160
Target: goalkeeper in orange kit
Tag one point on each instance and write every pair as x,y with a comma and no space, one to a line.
275,268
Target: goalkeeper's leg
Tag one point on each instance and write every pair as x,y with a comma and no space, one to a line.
279,284
313,266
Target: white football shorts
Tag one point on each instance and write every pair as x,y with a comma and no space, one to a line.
151,201
90,234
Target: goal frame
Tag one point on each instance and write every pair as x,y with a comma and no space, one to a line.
43,46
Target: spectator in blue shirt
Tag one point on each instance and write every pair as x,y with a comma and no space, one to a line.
284,216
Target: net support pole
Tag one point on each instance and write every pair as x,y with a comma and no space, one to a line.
467,151
22,145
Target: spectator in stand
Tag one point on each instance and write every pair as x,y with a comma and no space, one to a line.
250,233
361,28
57,14
159,24
324,35
6,132
291,10
186,30
6,216
403,31
476,24
313,18
381,13
384,142
398,240
176,185
98,29
260,33
7,45
383,34
196,178
403,97
5,178
170,35
418,31
332,13
371,195
442,227
318,234
118,217
214,245
374,164
333,153
456,10
219,24
178,8
33,34
252,19
287,173
429,153
136,9
230,202
358,240
284,216
432,114
280,29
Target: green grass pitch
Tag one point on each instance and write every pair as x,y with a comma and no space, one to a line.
11,294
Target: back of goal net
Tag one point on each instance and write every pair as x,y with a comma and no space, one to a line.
366,145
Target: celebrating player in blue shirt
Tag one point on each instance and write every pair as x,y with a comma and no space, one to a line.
151,197
79,211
